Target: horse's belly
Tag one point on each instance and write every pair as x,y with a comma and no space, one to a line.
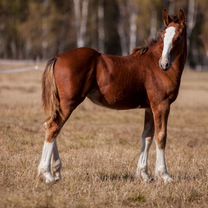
116,101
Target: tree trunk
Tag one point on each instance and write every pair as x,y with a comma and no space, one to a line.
191,16
101,31
121,29
133,30
45,29
81,14
170,5
153,25
77,14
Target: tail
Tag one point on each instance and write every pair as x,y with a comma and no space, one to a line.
50,97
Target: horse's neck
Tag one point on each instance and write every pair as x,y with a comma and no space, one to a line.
178,65
180,59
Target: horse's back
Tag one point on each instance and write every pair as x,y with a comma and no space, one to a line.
80,52
76,63
78,57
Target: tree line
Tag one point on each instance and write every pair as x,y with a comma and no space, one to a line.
39,29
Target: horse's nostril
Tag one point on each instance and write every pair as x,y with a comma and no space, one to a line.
160,64
166,65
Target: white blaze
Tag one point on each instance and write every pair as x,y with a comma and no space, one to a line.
167,42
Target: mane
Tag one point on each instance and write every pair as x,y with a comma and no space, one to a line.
143,49
140,50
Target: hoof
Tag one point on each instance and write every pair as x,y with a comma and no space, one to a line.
57,176
47,177
166,178
144,176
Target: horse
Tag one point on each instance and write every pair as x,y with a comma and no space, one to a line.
149,78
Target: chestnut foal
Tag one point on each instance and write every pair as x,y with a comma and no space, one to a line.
148,78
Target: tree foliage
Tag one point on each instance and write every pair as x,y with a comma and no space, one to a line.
42,28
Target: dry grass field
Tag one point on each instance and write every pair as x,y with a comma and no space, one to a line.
99,149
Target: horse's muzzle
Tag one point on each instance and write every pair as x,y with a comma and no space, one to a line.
164,63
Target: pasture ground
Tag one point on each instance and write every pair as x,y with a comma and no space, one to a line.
99,149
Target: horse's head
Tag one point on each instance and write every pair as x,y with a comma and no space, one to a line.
173,37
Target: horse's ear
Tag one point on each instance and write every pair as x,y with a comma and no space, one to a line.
181,16
166,18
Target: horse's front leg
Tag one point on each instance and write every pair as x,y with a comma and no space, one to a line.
147,137
161,113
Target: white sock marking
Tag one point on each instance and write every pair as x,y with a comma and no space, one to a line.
44,165
56,163
160,161
142,166
56,157
143,159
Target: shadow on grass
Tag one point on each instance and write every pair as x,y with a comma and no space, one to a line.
116,177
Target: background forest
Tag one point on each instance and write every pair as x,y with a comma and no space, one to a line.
38,29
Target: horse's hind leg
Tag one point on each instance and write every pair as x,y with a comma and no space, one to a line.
50,150
147,137
44,166
52,129
56,164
